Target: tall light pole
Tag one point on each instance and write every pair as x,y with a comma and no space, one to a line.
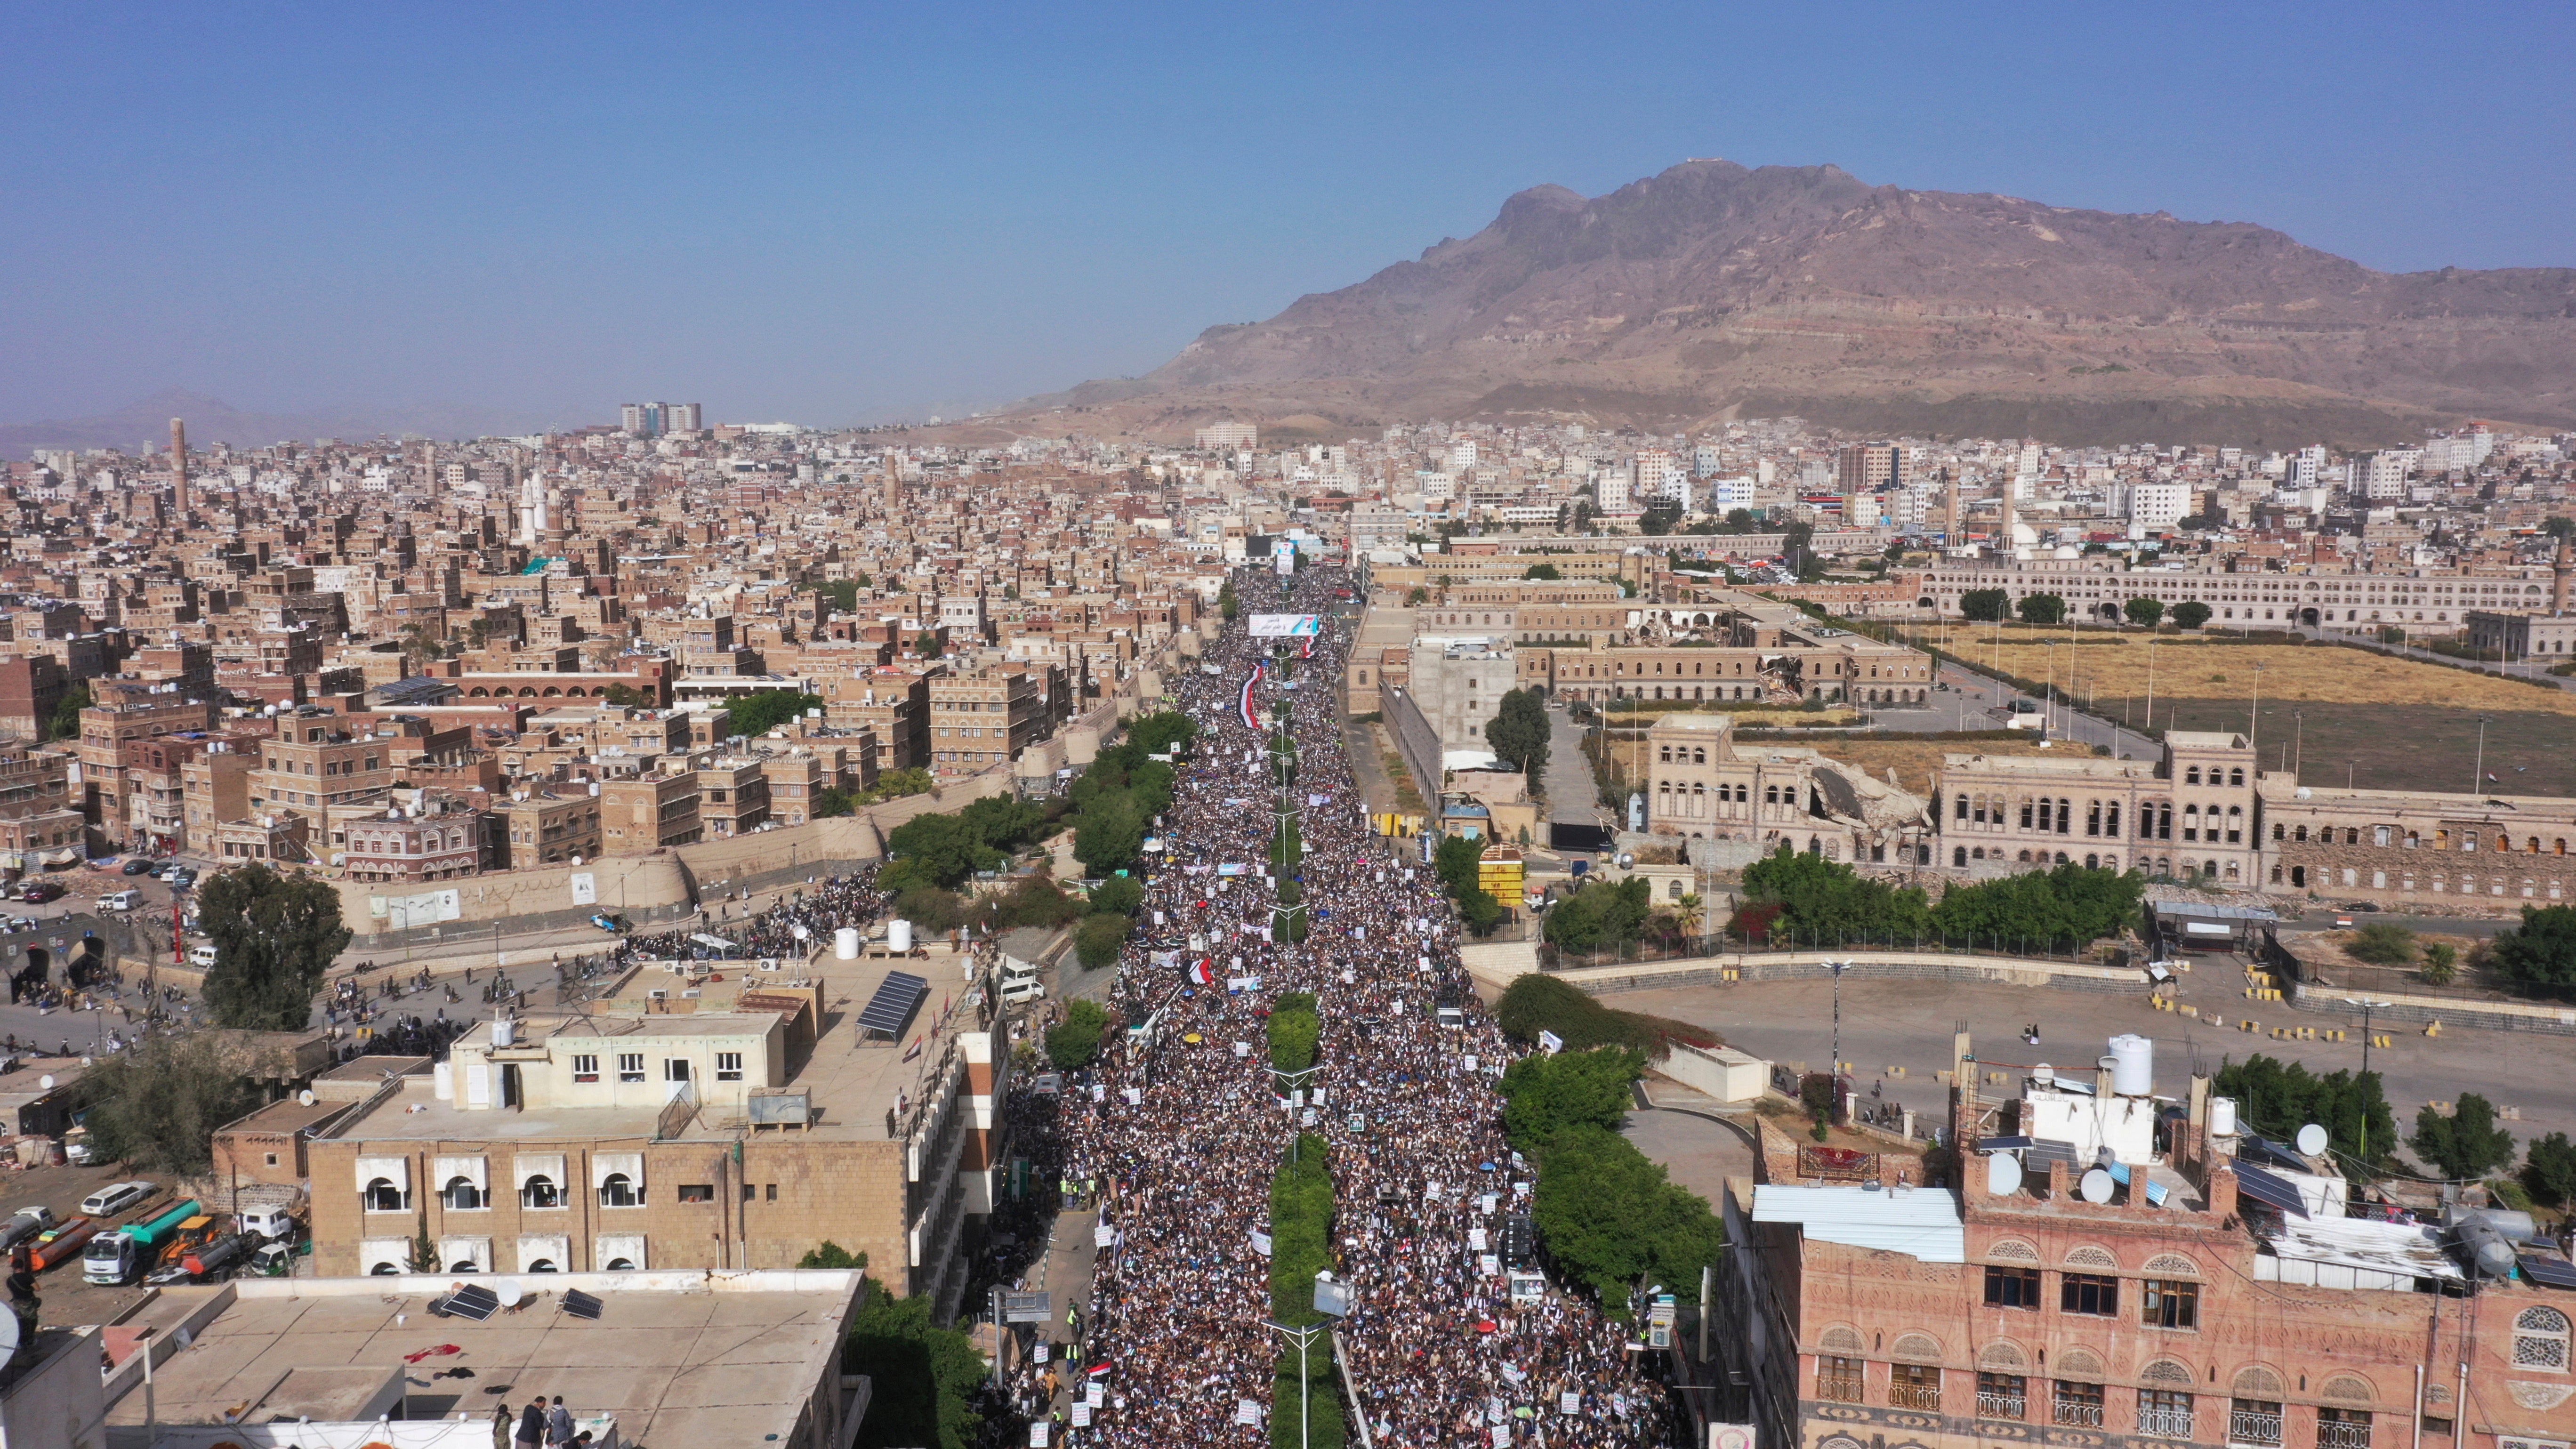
1837,1073
1304,1336
2367,1005
2478,771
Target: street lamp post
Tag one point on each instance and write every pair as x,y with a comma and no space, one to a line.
1304,1336
2367,1005
2478,771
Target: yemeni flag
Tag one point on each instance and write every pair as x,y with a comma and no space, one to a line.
1306,647
1243,705
1202,974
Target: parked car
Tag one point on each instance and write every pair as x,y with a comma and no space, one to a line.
120,901
137,866
22,923
41,892
115,1198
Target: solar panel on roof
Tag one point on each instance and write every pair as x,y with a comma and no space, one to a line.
2045,1150
580,1304
894,1002
473,1301
2270,1153
2002,1144
2272,1192
2553,1272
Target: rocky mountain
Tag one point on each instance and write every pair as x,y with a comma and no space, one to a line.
1713,291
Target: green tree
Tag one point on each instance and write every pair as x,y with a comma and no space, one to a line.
2277,1098
1109,835
1118,895
2191,614
2541,952
1097,939
1610,1216
936,850
927,645
64,722
757,714
2441,964
156,1108
2465,1146
625,697
1417,598
1599,915
274,937
937,912
1226,603
2549,1169
1546,571
1301,1224
1984,606
831,801
844,593
1072,1043
832,1255
1543,1095
2052,909
1538,1002
1825,900
2042,609
1295,1030
2144,612
926,1376
2382,943
1519,731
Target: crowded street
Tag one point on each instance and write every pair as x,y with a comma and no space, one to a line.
1181,1125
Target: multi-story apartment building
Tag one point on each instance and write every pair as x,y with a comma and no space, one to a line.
315,762
540,827
640,814
985,718
893,705
439,842
732,1128
2203,1288
733,796
215,787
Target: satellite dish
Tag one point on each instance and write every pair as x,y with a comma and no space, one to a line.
2003,1174
304,1098
507,1290
46,1081
2044,1074
2312,1140
9,1329
2096,1186
799,931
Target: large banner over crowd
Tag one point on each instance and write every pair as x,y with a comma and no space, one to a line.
1286,626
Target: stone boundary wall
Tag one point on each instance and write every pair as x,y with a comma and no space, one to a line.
1865,966
2410,1009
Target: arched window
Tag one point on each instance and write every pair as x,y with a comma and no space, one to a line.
540,1191
384,1270
620,1265
2236,777
618,1190
464,1265
1699,756
2192,776
1959,855
461,1195
383,1196
544,1265
2540,1339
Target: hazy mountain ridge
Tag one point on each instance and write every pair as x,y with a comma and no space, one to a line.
145,424
1712,288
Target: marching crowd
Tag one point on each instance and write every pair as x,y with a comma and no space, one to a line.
1184,1126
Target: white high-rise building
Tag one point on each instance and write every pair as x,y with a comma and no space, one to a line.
1610,491
2381,474
2158,505
1462,456
1726,493
1659,476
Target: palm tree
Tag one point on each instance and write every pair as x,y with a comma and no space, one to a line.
1687,915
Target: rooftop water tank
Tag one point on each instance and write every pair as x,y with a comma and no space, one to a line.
2222,1116
2133,1065
898,936
504,1031
845,944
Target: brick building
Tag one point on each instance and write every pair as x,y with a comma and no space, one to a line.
642,813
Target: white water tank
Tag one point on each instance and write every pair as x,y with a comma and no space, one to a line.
2133,1065
845,944
898,936
2222,1116
504,1031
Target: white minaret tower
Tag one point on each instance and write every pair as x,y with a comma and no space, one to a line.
532,507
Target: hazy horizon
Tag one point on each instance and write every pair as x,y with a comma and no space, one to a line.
843,215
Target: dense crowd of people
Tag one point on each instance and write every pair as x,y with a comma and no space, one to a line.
1184,1126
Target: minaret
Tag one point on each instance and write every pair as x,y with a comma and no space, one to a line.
2560,573
894,488
179,466
1950,507
2004,525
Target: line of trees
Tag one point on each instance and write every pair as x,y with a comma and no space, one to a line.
1458,862
1301,1239
1606,1214
1830,903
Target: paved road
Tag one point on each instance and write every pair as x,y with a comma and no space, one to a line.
1573,797
1964,706
1908,1023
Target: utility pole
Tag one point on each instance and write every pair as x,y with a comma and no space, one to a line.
2478,771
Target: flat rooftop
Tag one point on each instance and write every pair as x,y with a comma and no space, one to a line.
853,1077
676,1358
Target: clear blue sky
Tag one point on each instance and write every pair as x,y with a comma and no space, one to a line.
835,213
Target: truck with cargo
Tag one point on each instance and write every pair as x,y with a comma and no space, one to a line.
124,1254
60,1246
23,1225
209,1261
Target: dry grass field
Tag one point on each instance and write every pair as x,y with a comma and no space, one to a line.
2106,668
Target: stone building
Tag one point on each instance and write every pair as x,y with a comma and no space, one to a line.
1705,786
2196,1297
2498,851
2194,811
1458,683
698,1124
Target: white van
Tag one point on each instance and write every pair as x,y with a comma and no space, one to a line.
120,901
1019,989
115,1198
202,957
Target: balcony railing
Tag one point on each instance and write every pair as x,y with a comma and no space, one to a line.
1926,1397
2002,1406
2343,1434
1840,1388
2076,1411
2164,1423
2254,1426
